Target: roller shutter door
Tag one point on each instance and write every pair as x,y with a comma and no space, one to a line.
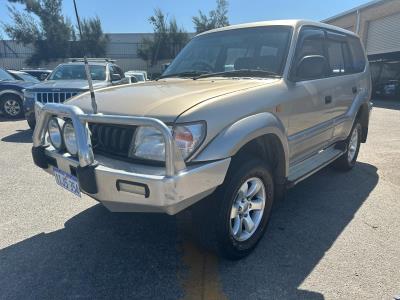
384,35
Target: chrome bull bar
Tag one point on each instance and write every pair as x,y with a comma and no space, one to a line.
174,162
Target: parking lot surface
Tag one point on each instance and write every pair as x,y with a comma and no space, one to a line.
335,236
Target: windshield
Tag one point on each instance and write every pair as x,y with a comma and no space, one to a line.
139,77
72,71
5,76
260,48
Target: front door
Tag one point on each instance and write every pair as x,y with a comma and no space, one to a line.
310,122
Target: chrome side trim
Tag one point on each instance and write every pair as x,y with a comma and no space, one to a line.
173,159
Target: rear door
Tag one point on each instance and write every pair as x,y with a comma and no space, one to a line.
344,85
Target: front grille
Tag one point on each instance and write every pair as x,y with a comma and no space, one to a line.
111,139
54,97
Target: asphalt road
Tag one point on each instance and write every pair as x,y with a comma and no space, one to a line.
336,236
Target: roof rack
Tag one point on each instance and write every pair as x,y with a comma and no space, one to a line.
92,60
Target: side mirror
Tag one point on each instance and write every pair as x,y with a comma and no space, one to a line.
133,79
311,67
115,77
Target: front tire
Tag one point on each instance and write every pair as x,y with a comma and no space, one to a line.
31,123
11,106
240,209
348,160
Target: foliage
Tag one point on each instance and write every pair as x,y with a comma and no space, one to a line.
93,41
215,19
52,35
168,39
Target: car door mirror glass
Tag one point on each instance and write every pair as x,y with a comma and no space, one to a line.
311,67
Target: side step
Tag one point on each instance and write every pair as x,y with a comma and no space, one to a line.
309,166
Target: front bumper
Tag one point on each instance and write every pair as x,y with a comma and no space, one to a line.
165,194
123,186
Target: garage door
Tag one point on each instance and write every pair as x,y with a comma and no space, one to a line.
384,35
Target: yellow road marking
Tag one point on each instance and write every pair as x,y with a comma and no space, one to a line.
201,279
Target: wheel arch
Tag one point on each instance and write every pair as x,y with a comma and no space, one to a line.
256,134
13,92
363,117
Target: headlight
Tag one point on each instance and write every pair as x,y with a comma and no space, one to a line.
149,142
189,137
54,130
28,94
70,138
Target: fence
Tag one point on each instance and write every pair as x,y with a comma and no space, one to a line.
14,55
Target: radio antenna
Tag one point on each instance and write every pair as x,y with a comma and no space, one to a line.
87,69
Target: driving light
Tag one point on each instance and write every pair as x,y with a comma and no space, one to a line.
70,138
54,131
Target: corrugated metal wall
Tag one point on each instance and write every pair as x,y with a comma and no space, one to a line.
383,35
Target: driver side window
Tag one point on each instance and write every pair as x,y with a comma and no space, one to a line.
310,44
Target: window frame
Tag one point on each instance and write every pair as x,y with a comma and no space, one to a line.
329,34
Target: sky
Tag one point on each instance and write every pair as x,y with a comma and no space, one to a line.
119,16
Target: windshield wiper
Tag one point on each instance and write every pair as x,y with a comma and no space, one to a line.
241,73
184,74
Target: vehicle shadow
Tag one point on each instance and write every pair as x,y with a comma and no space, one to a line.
301,230
20,136
104,255
389,104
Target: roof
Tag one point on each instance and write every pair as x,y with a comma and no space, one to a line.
355,9
292,23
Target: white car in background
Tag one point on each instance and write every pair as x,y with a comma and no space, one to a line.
140,76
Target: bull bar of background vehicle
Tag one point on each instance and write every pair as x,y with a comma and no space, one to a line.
173,159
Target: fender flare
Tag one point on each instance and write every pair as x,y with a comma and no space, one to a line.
229,141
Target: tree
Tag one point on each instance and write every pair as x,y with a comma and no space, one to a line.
168,39
93,41
216,18
43,25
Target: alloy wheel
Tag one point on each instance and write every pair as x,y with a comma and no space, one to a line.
247,209
353,143
12,107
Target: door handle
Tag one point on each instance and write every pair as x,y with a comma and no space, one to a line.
328,99
354,90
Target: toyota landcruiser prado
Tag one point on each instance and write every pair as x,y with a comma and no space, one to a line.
240,115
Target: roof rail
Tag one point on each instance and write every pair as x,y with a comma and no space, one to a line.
77,59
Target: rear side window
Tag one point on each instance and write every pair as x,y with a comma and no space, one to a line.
336,57
357,54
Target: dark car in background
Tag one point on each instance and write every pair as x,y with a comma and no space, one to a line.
20,75
40,74
388,89
68,80
11,94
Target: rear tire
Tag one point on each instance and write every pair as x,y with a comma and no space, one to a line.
348,160
234,219
11,106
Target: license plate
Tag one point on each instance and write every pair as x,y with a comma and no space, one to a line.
67,181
